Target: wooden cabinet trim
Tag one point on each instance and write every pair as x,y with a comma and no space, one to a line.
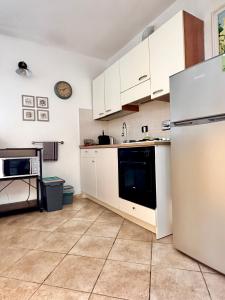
193,39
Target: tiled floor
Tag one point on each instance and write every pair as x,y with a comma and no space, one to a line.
87,252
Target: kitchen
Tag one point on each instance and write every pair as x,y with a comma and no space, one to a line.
134,159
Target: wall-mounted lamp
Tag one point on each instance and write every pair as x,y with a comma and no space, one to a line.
23,69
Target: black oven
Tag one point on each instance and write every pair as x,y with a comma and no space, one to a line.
137,175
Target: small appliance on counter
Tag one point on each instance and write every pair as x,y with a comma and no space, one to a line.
89,142
112,140
103,139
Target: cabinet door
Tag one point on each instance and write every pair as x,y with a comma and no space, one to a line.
99,96
167,54
107,176
112,89
134,66
142,213
88,176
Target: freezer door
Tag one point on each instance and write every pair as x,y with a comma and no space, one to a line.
198,192
198,91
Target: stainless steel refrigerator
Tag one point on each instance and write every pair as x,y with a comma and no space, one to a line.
198,161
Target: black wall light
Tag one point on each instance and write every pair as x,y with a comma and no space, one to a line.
23,69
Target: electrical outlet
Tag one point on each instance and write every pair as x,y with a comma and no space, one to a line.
144,128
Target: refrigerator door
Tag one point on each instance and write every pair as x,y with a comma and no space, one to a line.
198,192
199,91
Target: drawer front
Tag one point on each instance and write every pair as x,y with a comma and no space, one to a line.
88,152
138,92
142,213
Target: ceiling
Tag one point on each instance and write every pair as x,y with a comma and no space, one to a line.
97,28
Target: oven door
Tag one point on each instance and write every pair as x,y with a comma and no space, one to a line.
137,182
16,167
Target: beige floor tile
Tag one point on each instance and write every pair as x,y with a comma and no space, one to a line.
35,266
206,269
44,223
166,240
75,226
100,297
174,284
216,285
104,229
110,217
131,231
77,204
59,242
131,251
21,220
124,280
11,289
93,246
24,238
53,293
66,214
166,255
76,272
6,230
9,256
89,213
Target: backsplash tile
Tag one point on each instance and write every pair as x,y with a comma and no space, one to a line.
151,114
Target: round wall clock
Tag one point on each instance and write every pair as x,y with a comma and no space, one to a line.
63,89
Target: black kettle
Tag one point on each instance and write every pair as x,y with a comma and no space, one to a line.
103,139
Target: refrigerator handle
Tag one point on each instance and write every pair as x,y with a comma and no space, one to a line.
199,121
181,123
217,118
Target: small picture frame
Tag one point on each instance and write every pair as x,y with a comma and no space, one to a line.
28,101
43,115
218,31
28,115
42,102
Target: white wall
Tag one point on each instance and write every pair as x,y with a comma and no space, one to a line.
200,8
48,65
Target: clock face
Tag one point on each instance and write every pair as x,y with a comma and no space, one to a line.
63,89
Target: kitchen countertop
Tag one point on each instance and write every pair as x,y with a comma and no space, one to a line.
128,145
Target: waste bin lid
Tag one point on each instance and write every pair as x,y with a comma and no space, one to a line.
53,179
68,187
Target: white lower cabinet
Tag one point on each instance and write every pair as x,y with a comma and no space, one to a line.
99,174
88,176
99,179
107,176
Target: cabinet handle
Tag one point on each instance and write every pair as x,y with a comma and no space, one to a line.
158,91
96,151
86,151
142,77
93,161
133,207
108,110
100,114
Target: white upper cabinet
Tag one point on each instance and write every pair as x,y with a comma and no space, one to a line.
167,55
134,66
112,89
145,70
98,90
106,92
175,45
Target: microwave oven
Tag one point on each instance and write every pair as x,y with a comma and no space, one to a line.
19,167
